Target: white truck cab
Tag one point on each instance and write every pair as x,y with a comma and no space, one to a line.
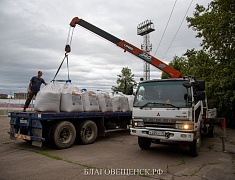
169,110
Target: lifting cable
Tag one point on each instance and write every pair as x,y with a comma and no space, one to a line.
68,65
68,43
166,27
70,37
65,57
177,30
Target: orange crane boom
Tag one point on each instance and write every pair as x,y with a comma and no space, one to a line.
173,73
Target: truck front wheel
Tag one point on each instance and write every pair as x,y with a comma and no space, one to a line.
87,132
144,143
194,147
64,134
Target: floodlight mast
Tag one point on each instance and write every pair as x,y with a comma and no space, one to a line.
144,29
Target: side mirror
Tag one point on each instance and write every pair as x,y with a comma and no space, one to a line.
200,96
199,85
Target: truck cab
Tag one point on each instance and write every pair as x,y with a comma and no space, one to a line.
169,110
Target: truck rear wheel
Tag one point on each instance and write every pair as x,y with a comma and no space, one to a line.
87,132
144,143
50,137
63,134
211,132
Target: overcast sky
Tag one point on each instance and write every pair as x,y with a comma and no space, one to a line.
33,35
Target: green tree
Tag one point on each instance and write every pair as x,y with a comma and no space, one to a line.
216,26
179,63
125,80
199,64
193,63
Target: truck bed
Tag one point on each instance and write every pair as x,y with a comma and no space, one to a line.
65,115
62,129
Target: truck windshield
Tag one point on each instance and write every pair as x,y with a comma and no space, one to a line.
163,94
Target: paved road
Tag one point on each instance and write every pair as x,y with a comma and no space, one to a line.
116,156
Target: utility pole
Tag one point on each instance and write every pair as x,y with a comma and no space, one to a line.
143,29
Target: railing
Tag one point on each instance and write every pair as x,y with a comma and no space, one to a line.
10,105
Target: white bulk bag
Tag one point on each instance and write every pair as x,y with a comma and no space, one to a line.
48,98
124,103
90,101
116,102
71,99
131,101
105,101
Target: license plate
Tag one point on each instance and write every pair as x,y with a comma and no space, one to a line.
23,121
156,133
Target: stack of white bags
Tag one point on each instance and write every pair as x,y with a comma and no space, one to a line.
69,98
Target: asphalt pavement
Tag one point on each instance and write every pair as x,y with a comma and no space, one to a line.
116,156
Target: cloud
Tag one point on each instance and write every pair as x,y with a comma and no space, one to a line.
33,35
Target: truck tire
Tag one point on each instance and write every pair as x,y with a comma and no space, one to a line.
87,132
63,134
211,132
144,143
194,147
50,137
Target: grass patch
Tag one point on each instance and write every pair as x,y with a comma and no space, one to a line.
49,155
8,142
3,112
83,165
210,147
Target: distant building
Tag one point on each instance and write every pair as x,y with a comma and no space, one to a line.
3,96
20,95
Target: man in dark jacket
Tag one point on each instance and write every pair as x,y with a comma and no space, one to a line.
34,87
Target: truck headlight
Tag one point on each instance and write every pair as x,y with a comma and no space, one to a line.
138,123
184,125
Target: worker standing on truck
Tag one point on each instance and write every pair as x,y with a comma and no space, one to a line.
34,87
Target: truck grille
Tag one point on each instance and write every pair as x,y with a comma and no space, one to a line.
160,125
159,122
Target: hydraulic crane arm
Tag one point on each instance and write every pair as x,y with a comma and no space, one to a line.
173,73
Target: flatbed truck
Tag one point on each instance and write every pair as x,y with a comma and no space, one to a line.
62,129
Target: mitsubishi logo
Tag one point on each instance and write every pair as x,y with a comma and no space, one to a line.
158,114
